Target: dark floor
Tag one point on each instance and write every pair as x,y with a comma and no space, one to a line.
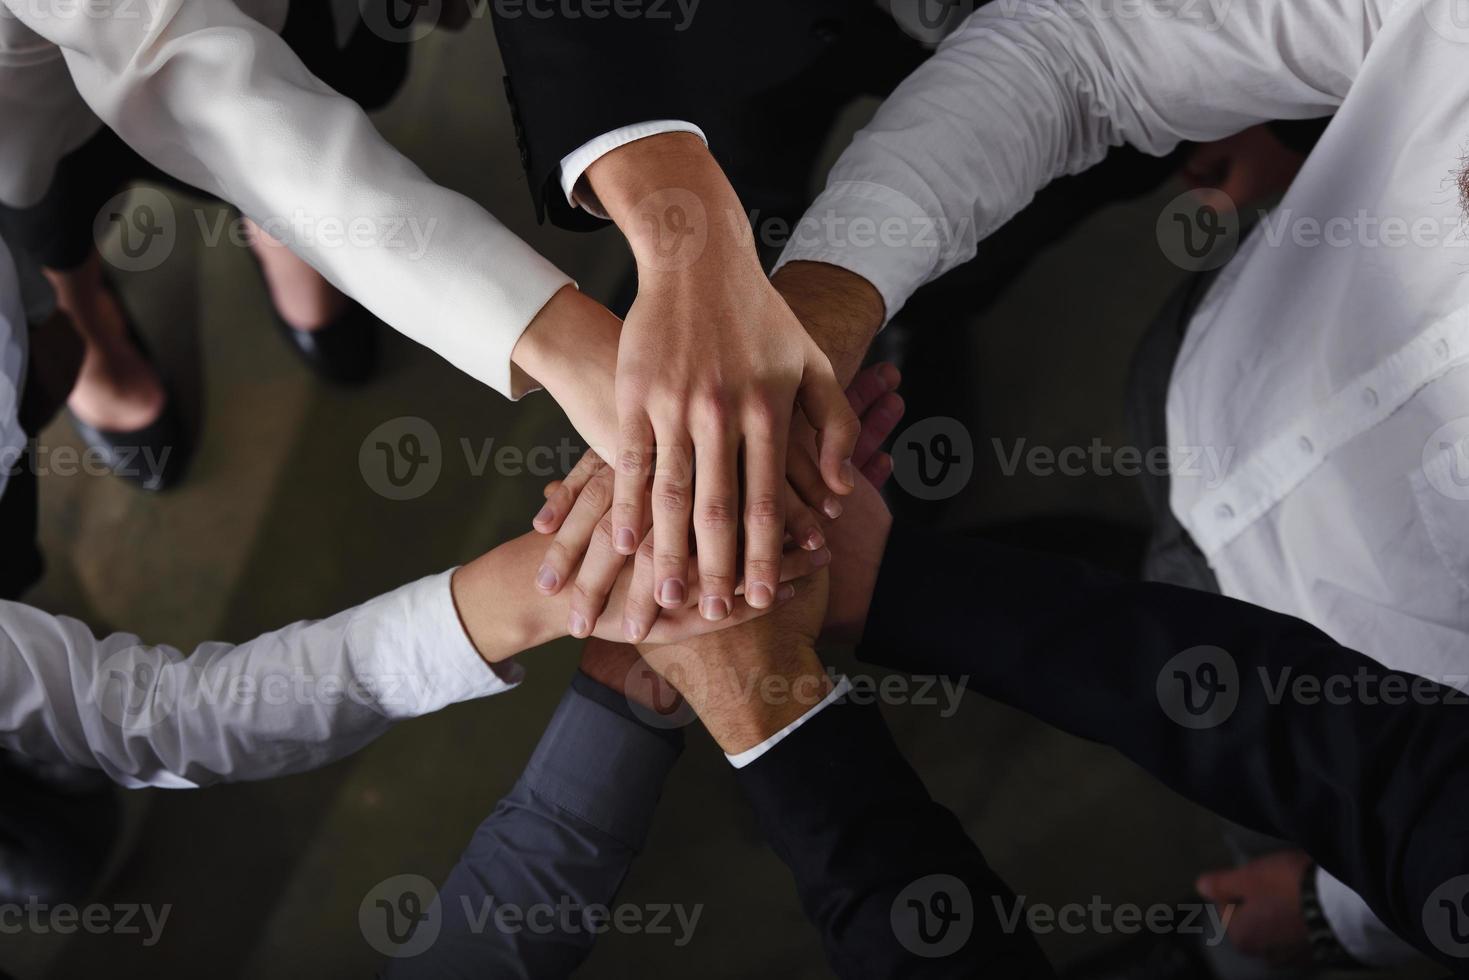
277,524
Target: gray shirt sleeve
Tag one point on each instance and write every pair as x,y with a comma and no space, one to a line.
532,891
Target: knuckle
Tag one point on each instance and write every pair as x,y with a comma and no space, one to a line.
671,498
558,556
596,495
645,550
602,536
717,513
587,596
630,462
762,569
764,511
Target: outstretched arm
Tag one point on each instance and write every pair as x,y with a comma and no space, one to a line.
219,101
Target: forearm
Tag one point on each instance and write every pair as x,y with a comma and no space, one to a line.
839,309
1023,94
284,702
1372,787
307,165
570,349
676,208
556,849
874,857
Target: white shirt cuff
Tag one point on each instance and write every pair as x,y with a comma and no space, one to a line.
874,231
742,759
412,639
1357,928
575,163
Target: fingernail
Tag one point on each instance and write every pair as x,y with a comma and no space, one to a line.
626,541
577,624
822,557
546,578
814,540
759,595
849,473
713,608
832,508
544,515
632,630
672,594
787,591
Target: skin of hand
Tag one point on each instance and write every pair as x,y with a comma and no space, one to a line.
870,396
620,667
503,614
1248,167
1265,895
839,309
748,683
584,534
710,366
570,349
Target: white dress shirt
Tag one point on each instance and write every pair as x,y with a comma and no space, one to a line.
1331,367
285,702
207,91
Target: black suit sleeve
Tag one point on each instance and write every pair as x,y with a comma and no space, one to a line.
895,886
572,77
1256,715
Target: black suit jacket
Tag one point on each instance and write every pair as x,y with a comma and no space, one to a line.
762,78
1256,715
888,876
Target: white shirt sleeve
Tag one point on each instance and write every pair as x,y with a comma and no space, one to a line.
575,163
1029,90
285,702
742,759
1358,929
219,101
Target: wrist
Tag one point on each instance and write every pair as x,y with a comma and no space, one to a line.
570,349
673,204
741,711
501,612
841,310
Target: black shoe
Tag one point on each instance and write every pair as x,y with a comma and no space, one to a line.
344,351
154,457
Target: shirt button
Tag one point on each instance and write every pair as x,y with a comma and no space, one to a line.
1224,512
1305,443
1442,350
1369,397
